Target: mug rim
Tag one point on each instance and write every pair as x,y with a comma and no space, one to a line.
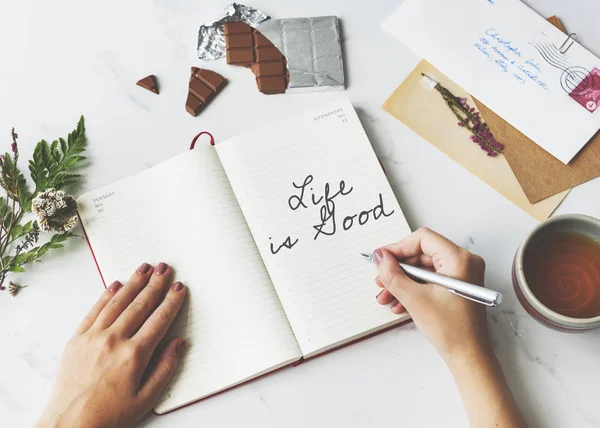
524,286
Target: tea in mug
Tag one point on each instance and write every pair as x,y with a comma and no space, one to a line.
562,270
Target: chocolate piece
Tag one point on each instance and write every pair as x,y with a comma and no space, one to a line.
204,86
247,47
149,82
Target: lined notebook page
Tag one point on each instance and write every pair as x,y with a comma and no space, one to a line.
327,289
183,212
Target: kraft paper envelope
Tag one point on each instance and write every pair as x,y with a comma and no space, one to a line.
513,61
540,174
424,111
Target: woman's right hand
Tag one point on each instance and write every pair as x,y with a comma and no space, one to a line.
451,323
454,325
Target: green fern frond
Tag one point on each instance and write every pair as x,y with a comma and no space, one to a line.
52,164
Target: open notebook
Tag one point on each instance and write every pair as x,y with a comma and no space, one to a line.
266,230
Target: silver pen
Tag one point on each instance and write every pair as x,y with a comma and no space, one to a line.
469,291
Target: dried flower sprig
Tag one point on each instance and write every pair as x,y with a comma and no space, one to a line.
470,119
51,170
55,210
13,289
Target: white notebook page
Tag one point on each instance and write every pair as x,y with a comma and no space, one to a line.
327,289
183,212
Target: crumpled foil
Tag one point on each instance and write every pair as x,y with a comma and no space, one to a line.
313,49
211,38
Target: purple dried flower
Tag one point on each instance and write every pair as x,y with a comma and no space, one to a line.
13,146
471,119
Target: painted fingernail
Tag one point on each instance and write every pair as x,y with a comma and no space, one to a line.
180,347
144,268
161,268
378,256
115,286
178,286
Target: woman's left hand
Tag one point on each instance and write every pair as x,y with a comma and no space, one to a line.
106,377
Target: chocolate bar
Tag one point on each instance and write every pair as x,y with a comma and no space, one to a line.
313,50
204,86
247,47
149,83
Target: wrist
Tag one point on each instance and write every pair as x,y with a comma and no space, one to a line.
468,356
52,418
47,421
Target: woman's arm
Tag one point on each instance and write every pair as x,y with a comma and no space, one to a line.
455,326
484,391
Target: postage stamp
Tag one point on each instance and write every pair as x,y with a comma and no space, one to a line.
587,91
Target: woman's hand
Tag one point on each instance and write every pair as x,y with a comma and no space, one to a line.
452,324
110,374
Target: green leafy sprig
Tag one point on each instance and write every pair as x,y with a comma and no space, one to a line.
53,166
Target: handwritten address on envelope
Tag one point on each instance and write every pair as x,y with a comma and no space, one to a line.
509,58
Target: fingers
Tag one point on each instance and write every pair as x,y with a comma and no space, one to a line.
92,315
385,297
397,308
421,260
145,302
156,326
424,241
393,277
120,301
161,372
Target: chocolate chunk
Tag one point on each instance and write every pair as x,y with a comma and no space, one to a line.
204,87
240,40
193,105
247,47
236,27
148,82
266,54
240,57
213,80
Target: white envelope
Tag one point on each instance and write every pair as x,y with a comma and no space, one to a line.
512,60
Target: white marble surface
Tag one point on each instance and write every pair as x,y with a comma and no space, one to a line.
62,58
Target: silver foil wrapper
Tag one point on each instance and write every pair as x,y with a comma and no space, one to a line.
211,39
313,49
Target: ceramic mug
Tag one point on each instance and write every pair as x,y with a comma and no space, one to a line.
580,224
